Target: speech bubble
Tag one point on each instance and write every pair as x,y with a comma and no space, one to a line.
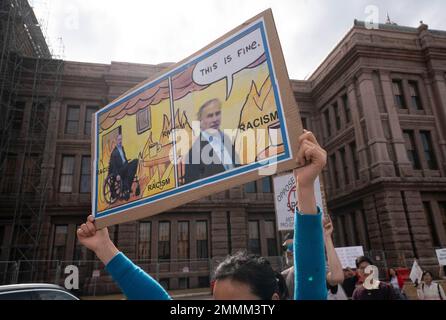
230,60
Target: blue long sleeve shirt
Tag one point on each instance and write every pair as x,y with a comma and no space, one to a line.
309,262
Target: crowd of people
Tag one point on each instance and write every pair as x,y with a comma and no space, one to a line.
314,270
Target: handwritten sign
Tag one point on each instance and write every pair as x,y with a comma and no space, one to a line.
441,255
285,200
348,255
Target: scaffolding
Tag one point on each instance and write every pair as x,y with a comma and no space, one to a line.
29,83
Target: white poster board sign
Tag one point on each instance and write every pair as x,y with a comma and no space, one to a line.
285,200
441,255
348,255
416,273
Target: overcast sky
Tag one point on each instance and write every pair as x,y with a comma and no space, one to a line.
158,31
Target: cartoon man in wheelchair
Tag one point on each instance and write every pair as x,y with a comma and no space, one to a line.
121,175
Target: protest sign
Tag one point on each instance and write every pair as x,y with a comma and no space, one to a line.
220,118
348,255
285,199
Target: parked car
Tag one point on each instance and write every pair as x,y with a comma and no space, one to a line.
35,291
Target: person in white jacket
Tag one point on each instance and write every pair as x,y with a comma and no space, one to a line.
429,290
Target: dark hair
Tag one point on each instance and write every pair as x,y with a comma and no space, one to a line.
388,273
362,259
254,271
427,272
284,294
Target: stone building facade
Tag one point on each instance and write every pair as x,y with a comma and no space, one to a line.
377,104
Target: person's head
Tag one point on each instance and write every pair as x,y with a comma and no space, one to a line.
427,277
119,140
246,277
392,273
348,273
209,115
362,262
287,247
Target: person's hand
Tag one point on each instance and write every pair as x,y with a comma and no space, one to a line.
96,240
328,226
309,152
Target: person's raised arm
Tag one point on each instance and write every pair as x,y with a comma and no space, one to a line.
335,274
133,281
309,255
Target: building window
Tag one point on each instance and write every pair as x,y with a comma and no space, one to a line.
81,253
144,237
270,235
203,282
202,239
72,123
415,95
399,94
431,224
85,175
412,153
17,116
327,122
250,187
334,170
183,240
345,168
428,149
304,122
348,115
266,184
39,117
66,174
337,116
344,231
9,174
31,174
443,213
364,229
164,240
183,283
254,237
355,160
88,119
60,242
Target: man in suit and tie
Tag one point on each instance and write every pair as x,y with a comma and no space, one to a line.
213,152
121,168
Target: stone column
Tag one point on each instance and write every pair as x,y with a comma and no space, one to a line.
373,225
403,163
381,165
361,226
420,230
393,225
363,169
341,110
438,223
350,164
239,229
49,154
340,168
439,109
219,234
